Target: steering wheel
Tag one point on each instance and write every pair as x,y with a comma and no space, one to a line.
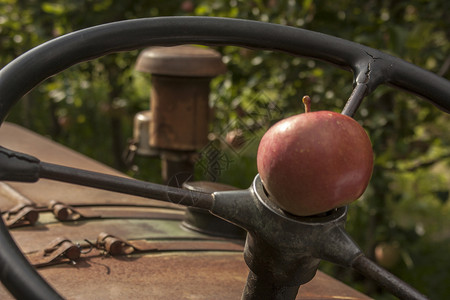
284,260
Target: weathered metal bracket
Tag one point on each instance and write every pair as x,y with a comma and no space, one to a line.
21,215
113,245
64,212
58,251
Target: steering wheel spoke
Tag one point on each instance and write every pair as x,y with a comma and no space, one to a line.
16,166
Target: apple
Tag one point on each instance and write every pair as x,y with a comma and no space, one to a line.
314,162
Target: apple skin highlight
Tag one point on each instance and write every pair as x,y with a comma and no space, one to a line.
316,161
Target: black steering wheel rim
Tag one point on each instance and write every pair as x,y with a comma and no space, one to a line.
370,68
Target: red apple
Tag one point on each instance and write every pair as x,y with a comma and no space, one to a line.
313,162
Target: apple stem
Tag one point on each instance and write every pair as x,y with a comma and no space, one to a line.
307,102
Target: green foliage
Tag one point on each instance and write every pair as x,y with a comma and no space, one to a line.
90,107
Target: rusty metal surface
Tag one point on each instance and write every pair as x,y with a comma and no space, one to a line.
179,94
189,245
181,114
8,194
187,276
176,268
171,276
184,60
130,212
